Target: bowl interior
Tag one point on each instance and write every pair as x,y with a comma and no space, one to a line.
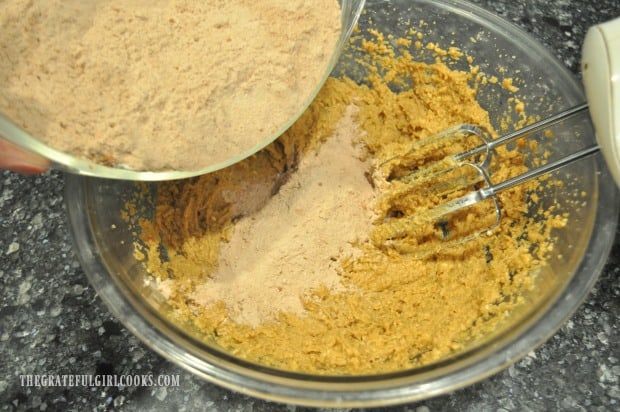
104,240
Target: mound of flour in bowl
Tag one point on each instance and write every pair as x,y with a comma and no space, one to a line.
162,84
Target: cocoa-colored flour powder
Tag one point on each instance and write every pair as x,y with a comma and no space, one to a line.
165,84
297,241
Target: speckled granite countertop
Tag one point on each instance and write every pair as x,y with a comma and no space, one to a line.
51,321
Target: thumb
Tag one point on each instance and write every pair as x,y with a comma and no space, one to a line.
20,160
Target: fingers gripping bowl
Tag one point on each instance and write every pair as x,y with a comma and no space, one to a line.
105,242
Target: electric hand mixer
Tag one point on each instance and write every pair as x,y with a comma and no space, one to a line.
601,79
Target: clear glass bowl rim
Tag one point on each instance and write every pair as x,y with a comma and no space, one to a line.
378,390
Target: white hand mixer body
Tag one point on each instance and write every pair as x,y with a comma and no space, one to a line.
601,79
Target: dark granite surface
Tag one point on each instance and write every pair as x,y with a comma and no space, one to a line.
51,321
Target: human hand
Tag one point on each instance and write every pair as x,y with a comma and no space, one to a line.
19,160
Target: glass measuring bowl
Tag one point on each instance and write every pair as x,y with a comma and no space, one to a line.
59,160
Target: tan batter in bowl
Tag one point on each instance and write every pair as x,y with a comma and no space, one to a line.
271,258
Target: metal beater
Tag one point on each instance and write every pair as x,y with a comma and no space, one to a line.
601,78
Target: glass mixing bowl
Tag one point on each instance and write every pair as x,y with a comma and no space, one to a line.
103,239
351,10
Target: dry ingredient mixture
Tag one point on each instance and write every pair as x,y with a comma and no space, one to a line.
273,258
293,237
161,84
